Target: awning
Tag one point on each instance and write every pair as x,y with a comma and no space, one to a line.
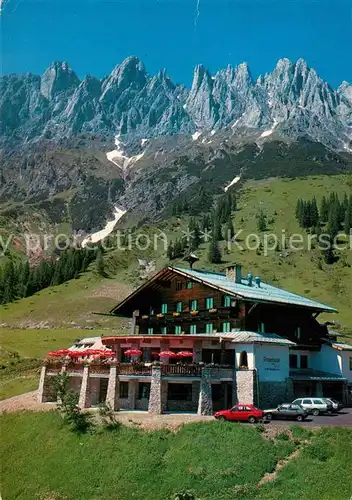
317,375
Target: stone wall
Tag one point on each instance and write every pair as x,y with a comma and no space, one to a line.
271,394
158,392
245,386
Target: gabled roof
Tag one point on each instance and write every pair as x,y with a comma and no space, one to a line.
264,293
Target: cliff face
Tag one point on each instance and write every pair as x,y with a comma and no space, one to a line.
292,100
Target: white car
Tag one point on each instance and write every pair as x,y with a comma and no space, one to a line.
316,406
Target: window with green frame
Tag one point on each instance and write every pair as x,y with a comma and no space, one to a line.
193,329
226,327
209,328
226,301
261,328
193,305
164,330
178,307
150,330
189,285
164,308
209,303
177,329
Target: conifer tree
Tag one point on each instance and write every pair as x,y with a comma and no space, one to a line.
214,252
261,221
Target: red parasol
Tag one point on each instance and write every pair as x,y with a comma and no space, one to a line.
75,354
167,354
62,352
54,354
106,354
133,352
184,354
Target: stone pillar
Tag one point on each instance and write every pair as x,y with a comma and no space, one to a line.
205,403
113,392
157,400
42,389
132,394
84,396
245,386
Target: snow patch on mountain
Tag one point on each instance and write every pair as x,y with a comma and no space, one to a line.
109,227
234,181
196,135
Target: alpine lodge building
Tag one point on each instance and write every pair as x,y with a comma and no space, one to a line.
202,341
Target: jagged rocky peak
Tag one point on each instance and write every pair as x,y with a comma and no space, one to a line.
130,71
202,77
59,77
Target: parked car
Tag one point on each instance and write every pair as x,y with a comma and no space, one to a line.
241,413
336,405
316,406
286,412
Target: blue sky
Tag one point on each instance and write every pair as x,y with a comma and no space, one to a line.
94,35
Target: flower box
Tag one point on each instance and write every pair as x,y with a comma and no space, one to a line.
212,310
145,316
176,314
160,315
194,312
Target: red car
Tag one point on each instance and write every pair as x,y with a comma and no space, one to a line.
241,413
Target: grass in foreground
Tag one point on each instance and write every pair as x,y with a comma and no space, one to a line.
42,458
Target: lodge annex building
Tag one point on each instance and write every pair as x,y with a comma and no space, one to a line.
201,341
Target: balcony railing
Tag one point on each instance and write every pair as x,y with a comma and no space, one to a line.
130,369
181,370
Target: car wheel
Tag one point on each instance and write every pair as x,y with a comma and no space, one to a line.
252,420
299,418
222,419
268,416
315,412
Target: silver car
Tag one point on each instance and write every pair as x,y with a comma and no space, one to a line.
315,406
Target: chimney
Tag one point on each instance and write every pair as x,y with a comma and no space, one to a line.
250,279
234,272
257,281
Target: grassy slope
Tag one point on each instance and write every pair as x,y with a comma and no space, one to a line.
50,319
43,460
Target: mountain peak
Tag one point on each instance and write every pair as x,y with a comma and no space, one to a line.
57,78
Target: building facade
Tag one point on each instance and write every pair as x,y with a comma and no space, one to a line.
203,341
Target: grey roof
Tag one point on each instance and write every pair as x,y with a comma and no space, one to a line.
245,337
264,292
341,346
310,374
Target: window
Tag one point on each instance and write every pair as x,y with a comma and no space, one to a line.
304,361
178,307
179,285
151,311
180,392
318,402
123,389
189,285
293,361
193,329
193,305
164,308
226,301
178,329
226,327
209,328
307,402
150,330
164,330
209,303
143,390
261,328
243,360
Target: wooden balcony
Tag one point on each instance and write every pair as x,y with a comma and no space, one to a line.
181,370
134,369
